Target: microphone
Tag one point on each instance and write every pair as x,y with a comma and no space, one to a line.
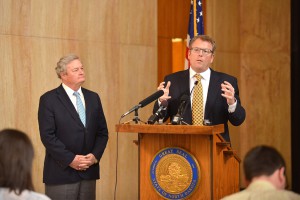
195,83
151,98
155,117
181,109
145,102
177,118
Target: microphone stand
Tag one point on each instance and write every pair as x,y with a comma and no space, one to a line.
179,121
183,122
136,118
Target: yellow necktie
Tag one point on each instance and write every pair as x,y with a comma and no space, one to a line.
197,106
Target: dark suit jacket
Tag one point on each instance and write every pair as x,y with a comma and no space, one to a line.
64,135
216,108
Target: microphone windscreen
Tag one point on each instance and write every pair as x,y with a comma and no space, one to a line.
164,103
151,98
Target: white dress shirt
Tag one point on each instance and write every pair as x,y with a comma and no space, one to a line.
205,83
71,95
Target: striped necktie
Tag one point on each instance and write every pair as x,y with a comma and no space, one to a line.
197,105
80,107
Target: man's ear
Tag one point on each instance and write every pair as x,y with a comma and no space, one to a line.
282,172
282,177
212,58
189,54
62,74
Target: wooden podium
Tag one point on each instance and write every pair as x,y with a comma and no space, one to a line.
219,164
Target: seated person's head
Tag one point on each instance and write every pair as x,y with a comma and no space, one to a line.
16,155
264,162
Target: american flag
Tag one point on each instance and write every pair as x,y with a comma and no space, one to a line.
196,26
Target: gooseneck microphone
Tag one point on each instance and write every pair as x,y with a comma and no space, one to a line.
195,83
183,101
156,116
177,119
145,102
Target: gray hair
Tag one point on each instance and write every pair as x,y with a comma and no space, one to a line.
63,62
205,38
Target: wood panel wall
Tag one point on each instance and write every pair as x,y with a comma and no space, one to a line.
172,23
253,41
117,43
265,68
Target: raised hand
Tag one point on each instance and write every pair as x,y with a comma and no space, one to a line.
166,91
228,92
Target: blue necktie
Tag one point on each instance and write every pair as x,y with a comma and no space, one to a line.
80,107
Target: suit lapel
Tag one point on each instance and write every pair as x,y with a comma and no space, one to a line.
185,80
88,111
214,89
64,98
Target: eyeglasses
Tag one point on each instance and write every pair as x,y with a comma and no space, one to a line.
204,52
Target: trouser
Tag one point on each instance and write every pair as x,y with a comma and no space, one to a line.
82,190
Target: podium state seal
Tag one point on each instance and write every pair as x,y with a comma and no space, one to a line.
174,173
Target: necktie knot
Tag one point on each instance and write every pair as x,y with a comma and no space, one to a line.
198,77
76,94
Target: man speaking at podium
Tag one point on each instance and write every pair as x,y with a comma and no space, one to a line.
213,96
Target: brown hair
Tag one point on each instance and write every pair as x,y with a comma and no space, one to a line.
205,38
16,155
262,160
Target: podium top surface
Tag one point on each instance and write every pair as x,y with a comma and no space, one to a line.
170,129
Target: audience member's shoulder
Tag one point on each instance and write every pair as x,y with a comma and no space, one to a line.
25,195
37,196
264,195
237,196
280,195
288,195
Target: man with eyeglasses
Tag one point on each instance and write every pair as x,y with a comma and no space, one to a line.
264,170
220,100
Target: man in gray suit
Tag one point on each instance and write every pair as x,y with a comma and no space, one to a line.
74,132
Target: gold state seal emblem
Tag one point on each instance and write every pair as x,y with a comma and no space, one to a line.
174,173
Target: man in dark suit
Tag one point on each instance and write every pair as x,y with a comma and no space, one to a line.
219,91
74,132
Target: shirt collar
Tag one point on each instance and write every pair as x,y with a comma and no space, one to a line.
260,185
69,91
205,75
